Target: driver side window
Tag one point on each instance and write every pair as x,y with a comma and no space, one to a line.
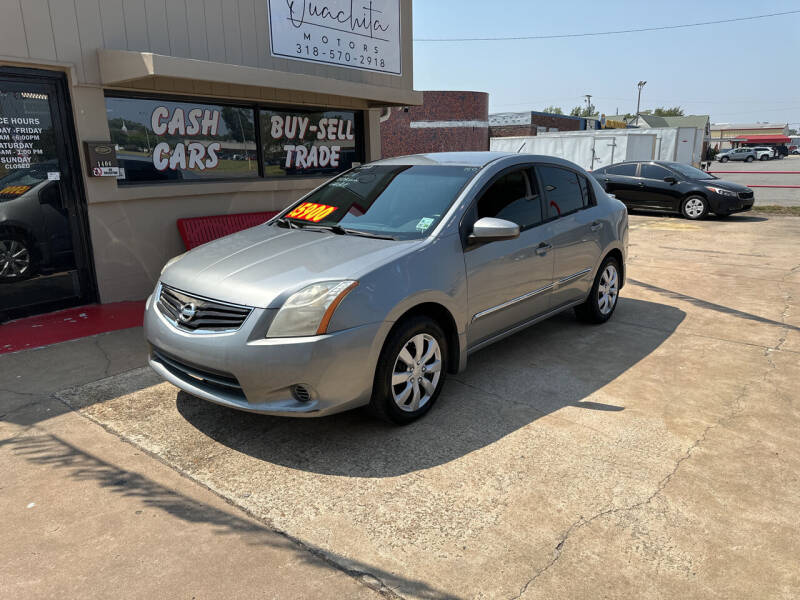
514,198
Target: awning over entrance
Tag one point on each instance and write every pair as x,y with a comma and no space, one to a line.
762,139
122,66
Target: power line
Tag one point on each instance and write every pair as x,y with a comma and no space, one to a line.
596,33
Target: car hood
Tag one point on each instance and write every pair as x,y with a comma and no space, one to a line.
261,266
725,185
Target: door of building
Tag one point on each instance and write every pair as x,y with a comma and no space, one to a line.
45,258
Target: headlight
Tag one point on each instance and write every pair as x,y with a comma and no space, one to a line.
722,192
171,261
309,311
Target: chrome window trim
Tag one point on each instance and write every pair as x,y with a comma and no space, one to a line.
511,302
176,325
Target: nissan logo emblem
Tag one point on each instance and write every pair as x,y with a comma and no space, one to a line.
187,313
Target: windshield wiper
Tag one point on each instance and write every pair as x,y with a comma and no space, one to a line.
284,222
337,229
376,236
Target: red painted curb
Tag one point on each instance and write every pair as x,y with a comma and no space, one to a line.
786,187
69,324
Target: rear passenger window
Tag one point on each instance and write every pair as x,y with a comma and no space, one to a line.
655,172
628,170
563,193
508,198
586,191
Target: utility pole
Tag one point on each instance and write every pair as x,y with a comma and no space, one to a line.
640,85
588,103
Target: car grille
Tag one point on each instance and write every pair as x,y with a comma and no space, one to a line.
195,374
196,314
745,195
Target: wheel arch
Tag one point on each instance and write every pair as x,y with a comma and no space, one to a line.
617,254
445,319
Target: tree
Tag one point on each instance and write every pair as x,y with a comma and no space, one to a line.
662,111
584,111
553,110
793,132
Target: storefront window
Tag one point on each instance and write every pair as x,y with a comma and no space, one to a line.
308,143
158,140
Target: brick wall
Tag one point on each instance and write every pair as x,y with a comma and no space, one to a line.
557,121
512,130
442,111
560,122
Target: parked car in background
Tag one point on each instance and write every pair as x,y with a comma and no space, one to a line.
371,288
745,154
674,187
764,153
35,236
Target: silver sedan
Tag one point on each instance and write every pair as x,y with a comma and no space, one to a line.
373,287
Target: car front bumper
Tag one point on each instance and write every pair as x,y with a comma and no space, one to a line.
727,205
247,371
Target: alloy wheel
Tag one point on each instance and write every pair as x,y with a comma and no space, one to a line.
15,259
694,208
416,373
608,289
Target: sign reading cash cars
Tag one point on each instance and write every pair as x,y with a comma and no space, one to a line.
363,34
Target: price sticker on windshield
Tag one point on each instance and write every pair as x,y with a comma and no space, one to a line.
309,211
12,191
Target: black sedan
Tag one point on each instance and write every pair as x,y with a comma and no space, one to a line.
673,187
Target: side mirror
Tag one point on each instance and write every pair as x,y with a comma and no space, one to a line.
489,229
670,180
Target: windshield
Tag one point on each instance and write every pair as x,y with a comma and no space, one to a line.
689,172
31,176
401,201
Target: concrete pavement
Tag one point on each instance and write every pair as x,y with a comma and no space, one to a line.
751,174
86,515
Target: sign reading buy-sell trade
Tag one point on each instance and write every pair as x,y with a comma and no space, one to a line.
359,34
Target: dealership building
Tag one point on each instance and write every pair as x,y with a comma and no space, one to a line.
119,118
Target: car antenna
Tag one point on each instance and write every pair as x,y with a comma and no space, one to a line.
521,147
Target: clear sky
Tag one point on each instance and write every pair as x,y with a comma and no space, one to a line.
736,72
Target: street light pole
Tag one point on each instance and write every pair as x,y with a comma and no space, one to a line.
640,85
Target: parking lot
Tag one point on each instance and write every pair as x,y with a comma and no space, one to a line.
654,456
764,173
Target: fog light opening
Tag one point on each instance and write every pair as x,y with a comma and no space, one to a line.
301,393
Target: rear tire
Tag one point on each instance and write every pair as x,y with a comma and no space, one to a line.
694,208
411,371
602,300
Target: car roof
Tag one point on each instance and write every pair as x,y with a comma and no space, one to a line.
471,159
461,159
661,163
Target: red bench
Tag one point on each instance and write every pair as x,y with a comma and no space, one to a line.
199,230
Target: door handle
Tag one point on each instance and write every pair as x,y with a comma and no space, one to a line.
641,184
597,226
542,248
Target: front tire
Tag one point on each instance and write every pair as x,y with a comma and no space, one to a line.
724,159
749,159
694,208
602,300
16,257
411,371
764,157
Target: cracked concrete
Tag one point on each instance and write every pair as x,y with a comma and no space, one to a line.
655,456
